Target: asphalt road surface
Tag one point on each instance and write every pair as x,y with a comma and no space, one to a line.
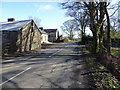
60,66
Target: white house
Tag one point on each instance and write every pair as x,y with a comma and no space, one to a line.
53,34
44,36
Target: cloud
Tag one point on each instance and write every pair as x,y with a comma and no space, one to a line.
43,7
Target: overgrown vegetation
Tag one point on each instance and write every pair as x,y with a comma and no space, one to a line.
101,77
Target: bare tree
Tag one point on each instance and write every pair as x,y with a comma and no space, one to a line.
69,27
97,12
75,10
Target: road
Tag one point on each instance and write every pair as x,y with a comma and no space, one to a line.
60,66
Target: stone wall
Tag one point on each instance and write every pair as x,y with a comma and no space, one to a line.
115,43
9,39
111,62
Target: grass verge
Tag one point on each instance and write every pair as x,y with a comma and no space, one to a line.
100,75
115,52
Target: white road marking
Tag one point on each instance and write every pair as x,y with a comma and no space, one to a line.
15,76
55,53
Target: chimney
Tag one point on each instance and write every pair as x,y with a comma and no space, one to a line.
11,19
41,28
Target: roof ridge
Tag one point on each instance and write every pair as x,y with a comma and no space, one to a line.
17,21
14,25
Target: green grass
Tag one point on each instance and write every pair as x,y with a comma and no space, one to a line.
115,52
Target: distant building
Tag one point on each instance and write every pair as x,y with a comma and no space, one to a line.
53,34
44,36
20,36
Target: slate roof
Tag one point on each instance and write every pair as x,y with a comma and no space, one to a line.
50,30
43,32
13,25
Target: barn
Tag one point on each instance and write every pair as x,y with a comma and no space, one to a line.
20,36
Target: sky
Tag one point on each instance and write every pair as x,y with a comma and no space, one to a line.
48,11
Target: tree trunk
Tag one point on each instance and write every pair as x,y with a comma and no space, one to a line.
101,39
108,31
95,40
93,27
102,13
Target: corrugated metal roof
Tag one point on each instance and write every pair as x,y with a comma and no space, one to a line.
13,25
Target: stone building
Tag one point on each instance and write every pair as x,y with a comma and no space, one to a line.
19,36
